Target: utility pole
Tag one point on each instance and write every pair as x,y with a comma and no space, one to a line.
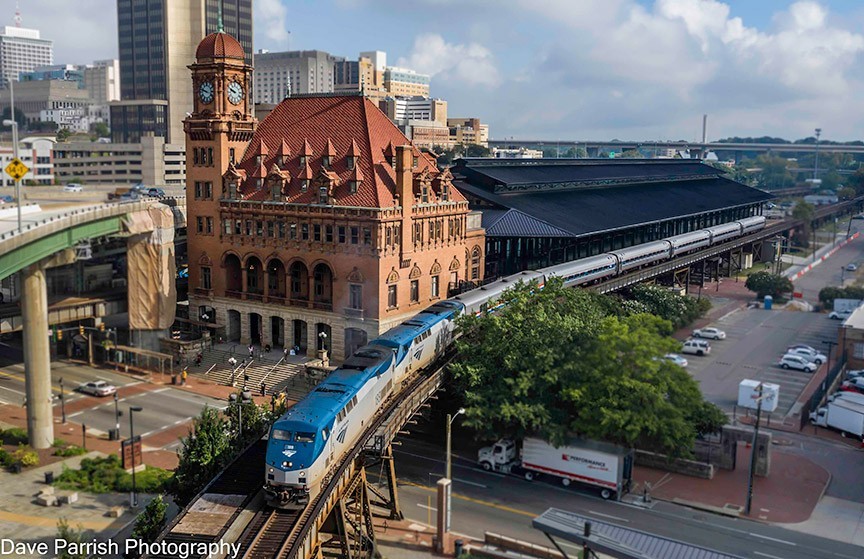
816,164
753,451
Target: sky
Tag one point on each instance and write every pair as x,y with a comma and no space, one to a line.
570,69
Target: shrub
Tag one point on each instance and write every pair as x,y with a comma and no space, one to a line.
765,283
70,450
5,458
105,475
26,456
15,435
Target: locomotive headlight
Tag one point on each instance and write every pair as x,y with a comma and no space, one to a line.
287,464
271,470
301,473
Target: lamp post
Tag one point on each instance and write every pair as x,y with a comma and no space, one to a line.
323,337
14,124
62,403
132,410
450,420
816,164
117,414
753,453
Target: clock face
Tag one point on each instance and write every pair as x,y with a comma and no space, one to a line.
205,92
235,92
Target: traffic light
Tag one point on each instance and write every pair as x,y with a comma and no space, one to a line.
59,334
101,326
81,330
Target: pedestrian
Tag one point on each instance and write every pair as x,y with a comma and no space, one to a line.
251,351
267,348
285,353
263,388
232,361
198,359
183,377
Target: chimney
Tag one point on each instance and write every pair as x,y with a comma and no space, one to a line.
405,190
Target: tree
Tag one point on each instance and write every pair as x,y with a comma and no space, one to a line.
204,451
63,134
476,150
100,130
803,211
254,420
150,522
846,193
830,181
631,154
73,537
774,172
553,364
765,283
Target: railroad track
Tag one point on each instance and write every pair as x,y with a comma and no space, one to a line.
266,533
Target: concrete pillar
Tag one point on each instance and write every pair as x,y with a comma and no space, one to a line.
37,357
311,339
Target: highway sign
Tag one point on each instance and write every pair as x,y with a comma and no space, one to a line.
17,169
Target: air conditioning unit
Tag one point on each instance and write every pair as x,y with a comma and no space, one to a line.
83,251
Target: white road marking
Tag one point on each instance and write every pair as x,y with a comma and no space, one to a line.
772,539
455,479
618,518
422,506
766,555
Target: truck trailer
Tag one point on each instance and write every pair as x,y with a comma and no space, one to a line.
605,466
847,416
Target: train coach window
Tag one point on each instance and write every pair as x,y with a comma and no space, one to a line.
281,435
305,437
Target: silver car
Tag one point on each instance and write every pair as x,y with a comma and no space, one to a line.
792,361
98,388
809,354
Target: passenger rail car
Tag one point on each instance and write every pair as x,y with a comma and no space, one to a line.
315,434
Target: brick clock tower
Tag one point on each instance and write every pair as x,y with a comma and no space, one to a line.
217,133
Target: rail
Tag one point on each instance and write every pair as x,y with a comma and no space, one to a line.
213,366
273,368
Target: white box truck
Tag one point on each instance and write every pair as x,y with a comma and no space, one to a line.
847,416
602,465
748,392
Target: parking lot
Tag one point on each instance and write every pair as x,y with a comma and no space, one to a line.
756,339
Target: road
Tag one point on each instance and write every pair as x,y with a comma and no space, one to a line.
164,407
485,501
829,272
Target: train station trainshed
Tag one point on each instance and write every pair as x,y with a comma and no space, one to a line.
541,212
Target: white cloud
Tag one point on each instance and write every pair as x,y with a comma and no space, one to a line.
271,15
470,64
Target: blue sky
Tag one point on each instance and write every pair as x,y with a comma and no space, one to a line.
573,69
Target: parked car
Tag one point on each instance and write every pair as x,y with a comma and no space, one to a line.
73,187
6,199
840,315
696,347
155,192
858,216
855,373
851,268
854,385
791,348
712,333
675,358
809,354
792,361
98,388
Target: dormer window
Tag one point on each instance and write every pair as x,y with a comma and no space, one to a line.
304,185
275,191
257,159
424,194
325,161
393,161
352,162
352,186
280,160
232,190
260,182
302,161
414,162
445,193
322,195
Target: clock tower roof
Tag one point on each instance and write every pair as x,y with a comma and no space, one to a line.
219,45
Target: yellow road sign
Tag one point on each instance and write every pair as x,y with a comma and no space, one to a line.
17,169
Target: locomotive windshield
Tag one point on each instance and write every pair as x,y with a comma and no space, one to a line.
305,437
281,435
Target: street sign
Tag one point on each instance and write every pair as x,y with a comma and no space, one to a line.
128,448
17,169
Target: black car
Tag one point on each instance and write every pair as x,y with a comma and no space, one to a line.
155,192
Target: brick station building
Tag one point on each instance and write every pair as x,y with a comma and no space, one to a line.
322,218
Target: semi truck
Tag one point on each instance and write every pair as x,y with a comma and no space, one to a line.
847,416
601,465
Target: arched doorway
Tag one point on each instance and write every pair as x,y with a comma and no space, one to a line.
277,331
355,338
233,333
299,282
300,334
255,324
323,336
233,276
254,276
276,279
322,278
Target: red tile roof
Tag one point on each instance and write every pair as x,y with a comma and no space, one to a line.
351,124
219,45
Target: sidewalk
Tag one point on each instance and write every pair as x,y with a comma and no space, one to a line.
803,264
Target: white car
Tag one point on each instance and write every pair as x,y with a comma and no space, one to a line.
675,358
809,355
791,361
73,187
851,268
800,346
855,373
712,333
840,315
696,347
98,388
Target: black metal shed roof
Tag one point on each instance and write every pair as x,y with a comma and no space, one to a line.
618,541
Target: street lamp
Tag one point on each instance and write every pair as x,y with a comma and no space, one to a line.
323,337
14,124
816,164
62,403
450,420
132,410
117,415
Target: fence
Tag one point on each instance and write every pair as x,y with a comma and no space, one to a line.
821,391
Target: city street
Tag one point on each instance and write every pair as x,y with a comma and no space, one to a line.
485,501
829,272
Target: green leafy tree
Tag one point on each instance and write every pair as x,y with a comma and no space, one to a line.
553,364
803,211
150,522
773,172
63,134
100,130
828,294
254,420
765,283
476,150
71,536
204,452
830,180
846,193
631,154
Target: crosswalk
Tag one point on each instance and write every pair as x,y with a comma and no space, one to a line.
277,373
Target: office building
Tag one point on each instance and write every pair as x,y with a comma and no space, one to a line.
102,80
467,131
35,152
307,71
416,107
66,72
33,97
517,153
403,81
320,227
157,40
22,50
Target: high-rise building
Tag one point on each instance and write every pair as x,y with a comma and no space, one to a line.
307,71
404,81
467,131
22,50
417,107
157,40
102,80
